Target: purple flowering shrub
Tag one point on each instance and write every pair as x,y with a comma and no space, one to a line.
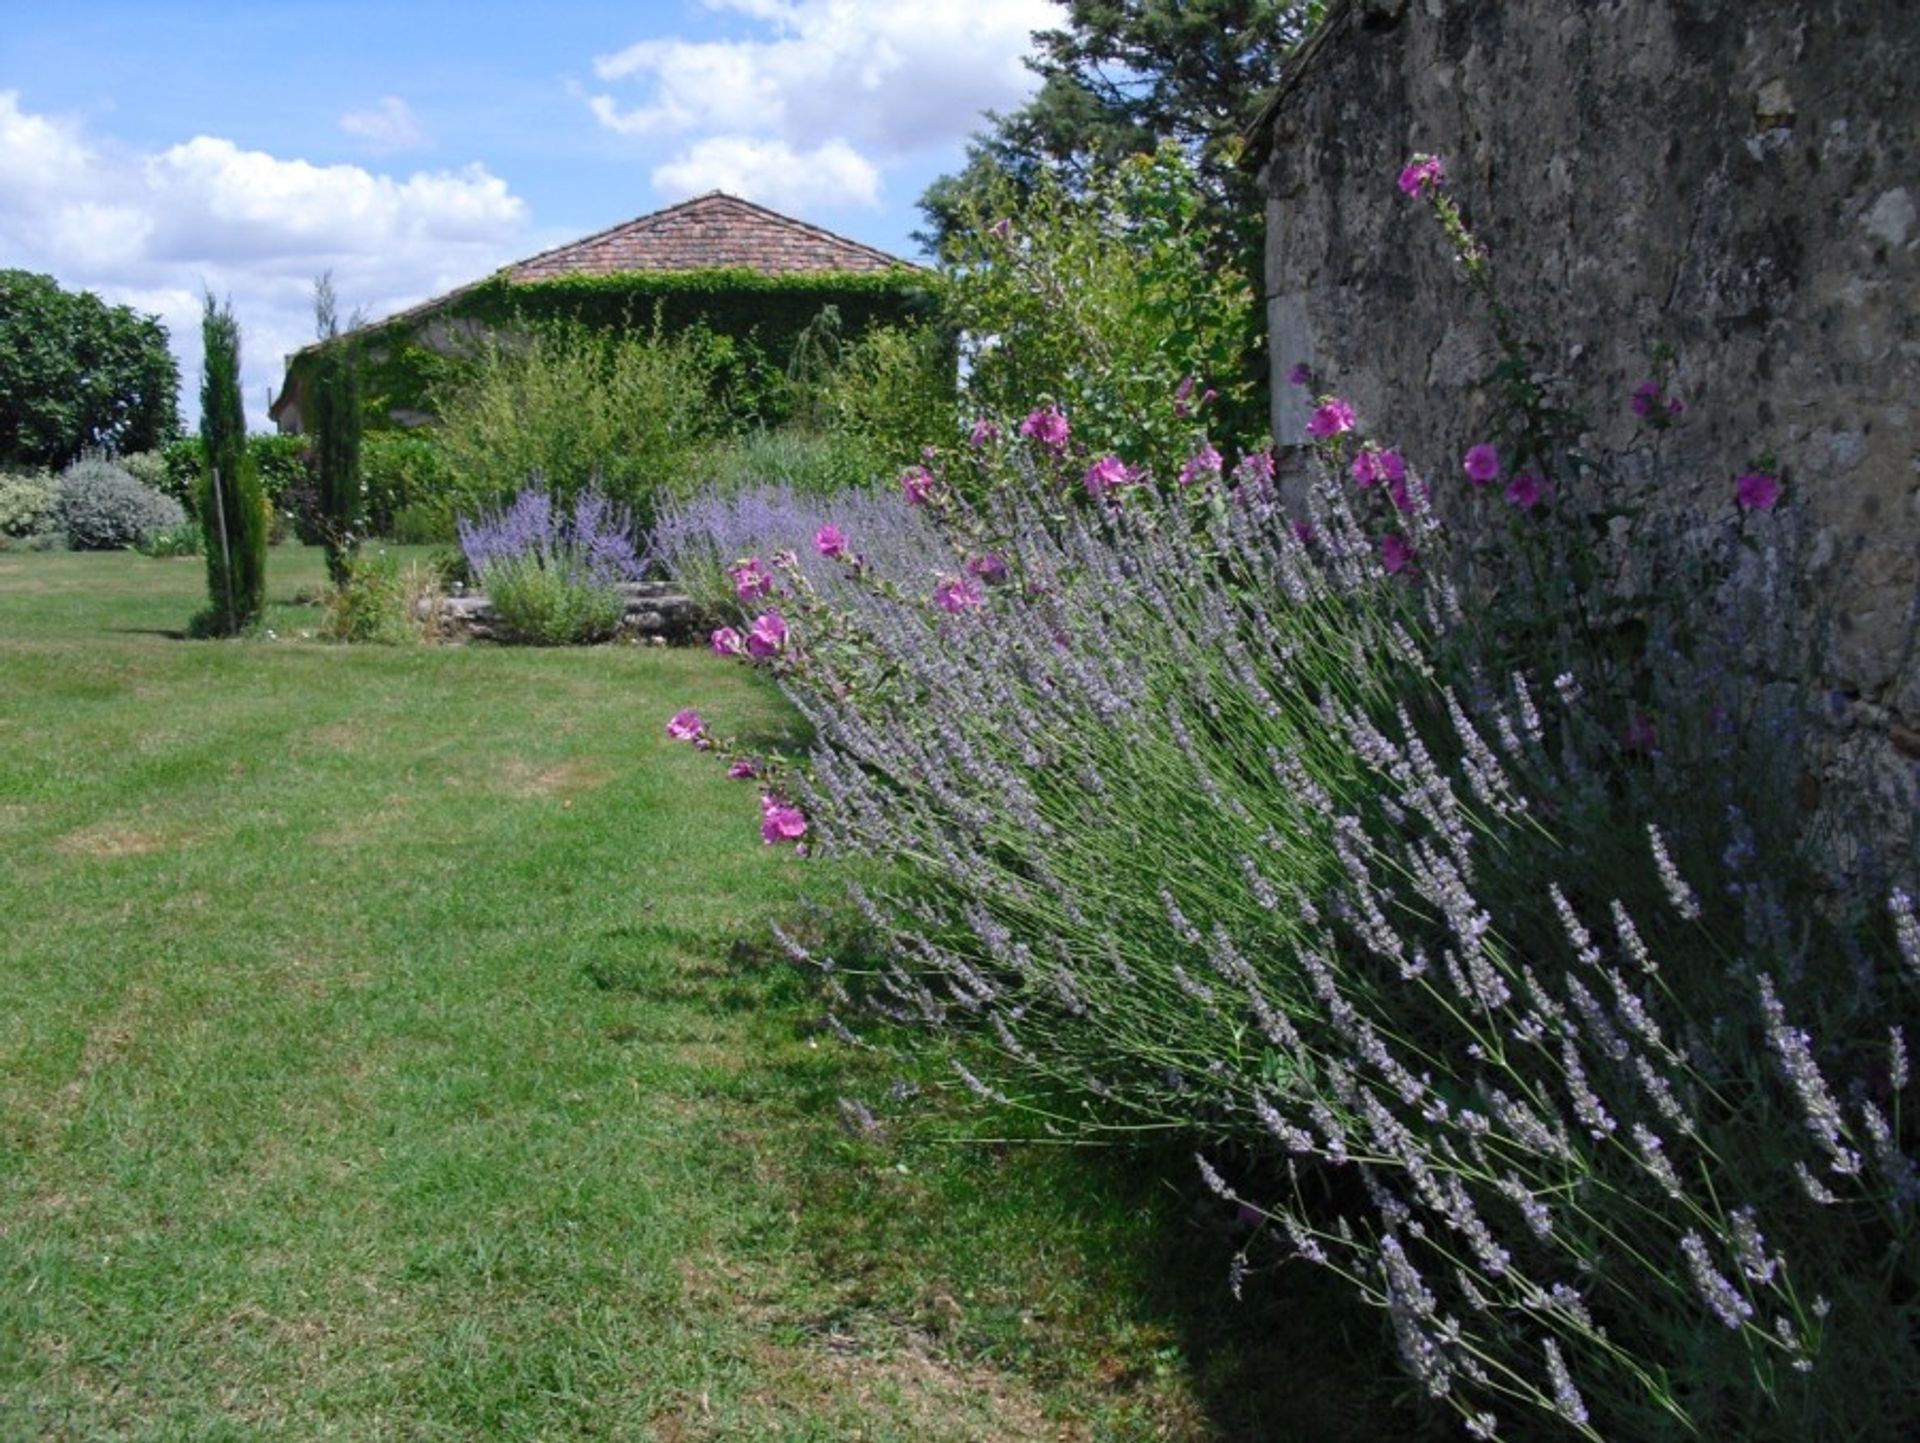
1195,824
554,572
1480,961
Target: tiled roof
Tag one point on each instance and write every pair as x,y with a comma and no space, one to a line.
710,230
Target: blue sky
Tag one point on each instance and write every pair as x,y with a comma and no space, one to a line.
151,151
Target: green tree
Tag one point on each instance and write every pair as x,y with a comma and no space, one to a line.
233,510
337,423
1108,304
1120,77
77,373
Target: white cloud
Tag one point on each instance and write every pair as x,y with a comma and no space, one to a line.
155,230
772,172
881,80
388,127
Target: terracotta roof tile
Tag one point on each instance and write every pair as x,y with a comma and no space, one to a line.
708,231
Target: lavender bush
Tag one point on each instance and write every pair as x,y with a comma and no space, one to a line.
1188,823
1481,959
553,573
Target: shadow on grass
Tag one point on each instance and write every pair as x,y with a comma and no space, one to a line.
1100,1274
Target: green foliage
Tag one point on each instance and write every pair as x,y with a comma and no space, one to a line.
376,599
571,407
337,424
26,503
233,509
1105,303
149,468
424,523
100,507
76,372
401,471
891,389
541,605
812,462
182,538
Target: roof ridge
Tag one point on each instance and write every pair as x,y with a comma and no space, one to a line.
651,220
605,231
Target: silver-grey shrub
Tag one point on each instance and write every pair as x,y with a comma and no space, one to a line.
1193,823
102,508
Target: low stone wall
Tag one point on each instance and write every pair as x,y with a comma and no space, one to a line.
1738,182
655,613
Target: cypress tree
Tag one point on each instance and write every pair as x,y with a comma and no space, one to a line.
336,433
233,509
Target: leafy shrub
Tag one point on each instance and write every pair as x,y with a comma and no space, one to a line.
1105,304
26,503
149,468
381,601
889,392
403,471
181,539
101,508
621,414
810,462
553,573
423,523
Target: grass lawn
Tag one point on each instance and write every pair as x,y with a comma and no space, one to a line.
386,1052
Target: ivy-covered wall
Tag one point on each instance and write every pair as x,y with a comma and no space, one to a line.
759,315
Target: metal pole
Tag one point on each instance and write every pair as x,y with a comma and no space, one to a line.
226,552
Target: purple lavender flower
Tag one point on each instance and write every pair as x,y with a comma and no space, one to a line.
590,543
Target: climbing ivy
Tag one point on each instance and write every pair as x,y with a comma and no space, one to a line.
759,316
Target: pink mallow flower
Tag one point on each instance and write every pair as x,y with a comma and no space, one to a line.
686,726
916,485
1756,491
1300,375
1107,474
743,770
1526,491
956,594
1646,396
1373,465
767,636
1423,175
780,820
751,578
1481,463
1048,427
1332,417
990,567
728,642
984,433
830,541
1202,466
1396,552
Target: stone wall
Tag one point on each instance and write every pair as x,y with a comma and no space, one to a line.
1736,179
